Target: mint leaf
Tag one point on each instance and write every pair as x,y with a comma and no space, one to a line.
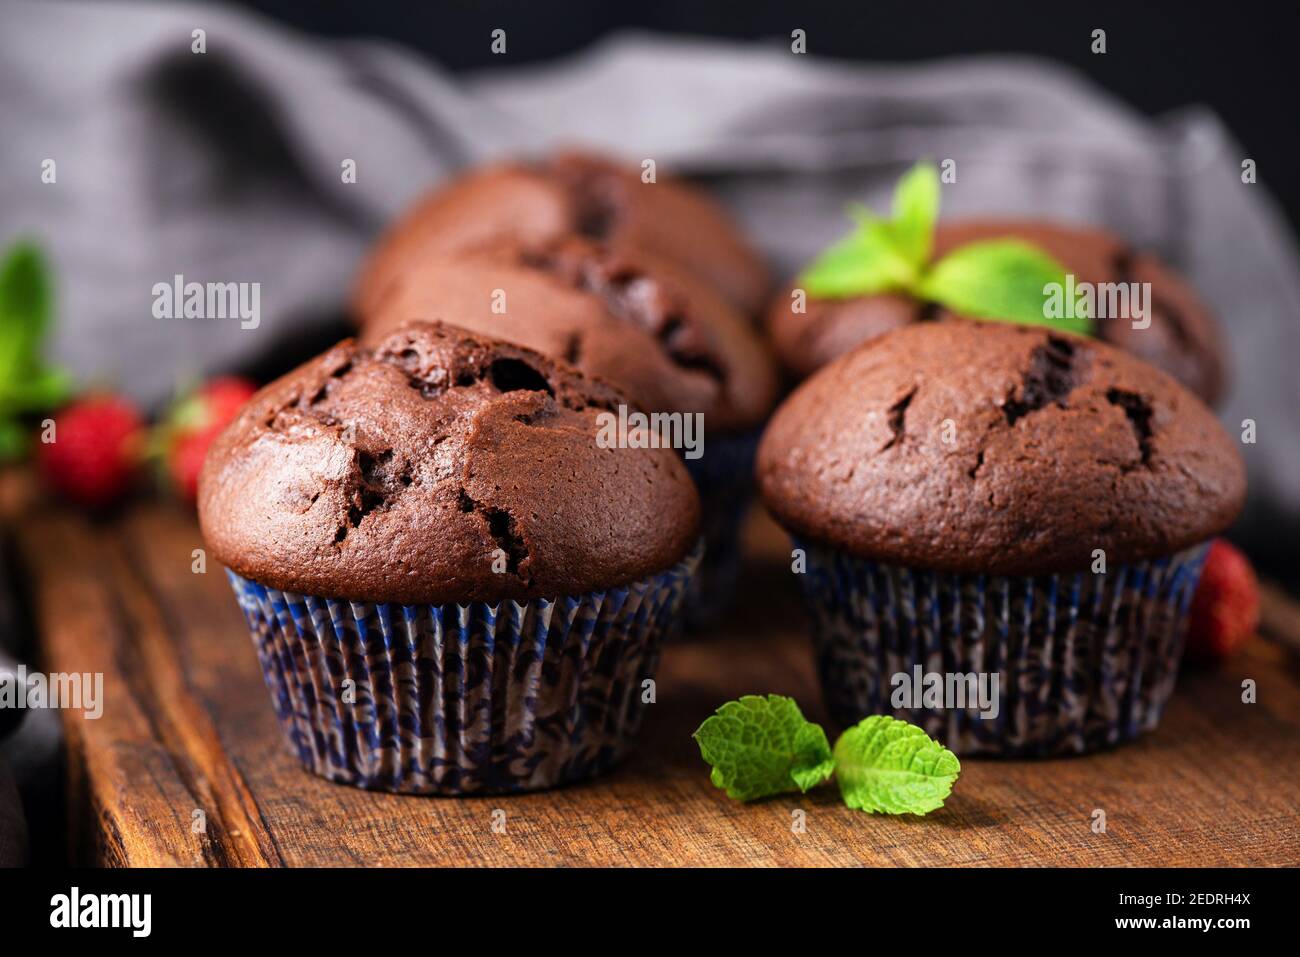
37,389
26,313
860,264
13,440
760,746
888,766
916,209
881,255
26,308
1002,279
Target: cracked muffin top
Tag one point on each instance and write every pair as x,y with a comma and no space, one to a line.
987,447
439,466
572,193
1182,340
668,339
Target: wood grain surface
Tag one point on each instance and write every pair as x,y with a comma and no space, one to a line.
187,726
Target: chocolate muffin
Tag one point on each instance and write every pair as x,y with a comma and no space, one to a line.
667,338
979,497
1182,339
572,194
434,518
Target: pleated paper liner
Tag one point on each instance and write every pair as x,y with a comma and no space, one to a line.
1084,661
462,699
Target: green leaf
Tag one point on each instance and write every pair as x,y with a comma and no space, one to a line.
888,766
13,440
916,209
881,255
759,746
36,390
860,264
1003,279
27,384
26,308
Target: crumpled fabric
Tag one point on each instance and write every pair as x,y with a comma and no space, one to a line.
226,166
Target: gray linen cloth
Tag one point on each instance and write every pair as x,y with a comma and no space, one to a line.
226,166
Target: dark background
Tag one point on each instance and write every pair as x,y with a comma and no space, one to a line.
1239,59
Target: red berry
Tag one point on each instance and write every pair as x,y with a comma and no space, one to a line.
185,461
1225,608
195,422
95,452
224,397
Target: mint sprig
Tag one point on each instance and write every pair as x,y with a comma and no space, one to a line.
763,745
916,210
27,384
760,746
1002,279
866,261
888,766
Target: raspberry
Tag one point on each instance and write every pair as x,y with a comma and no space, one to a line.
96,450
1225,608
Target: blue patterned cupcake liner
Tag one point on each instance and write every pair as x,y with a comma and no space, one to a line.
1084,661
724,477
462,699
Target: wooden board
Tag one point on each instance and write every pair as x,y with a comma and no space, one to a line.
187,726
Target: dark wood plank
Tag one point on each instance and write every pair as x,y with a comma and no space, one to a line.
187,725
153,758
